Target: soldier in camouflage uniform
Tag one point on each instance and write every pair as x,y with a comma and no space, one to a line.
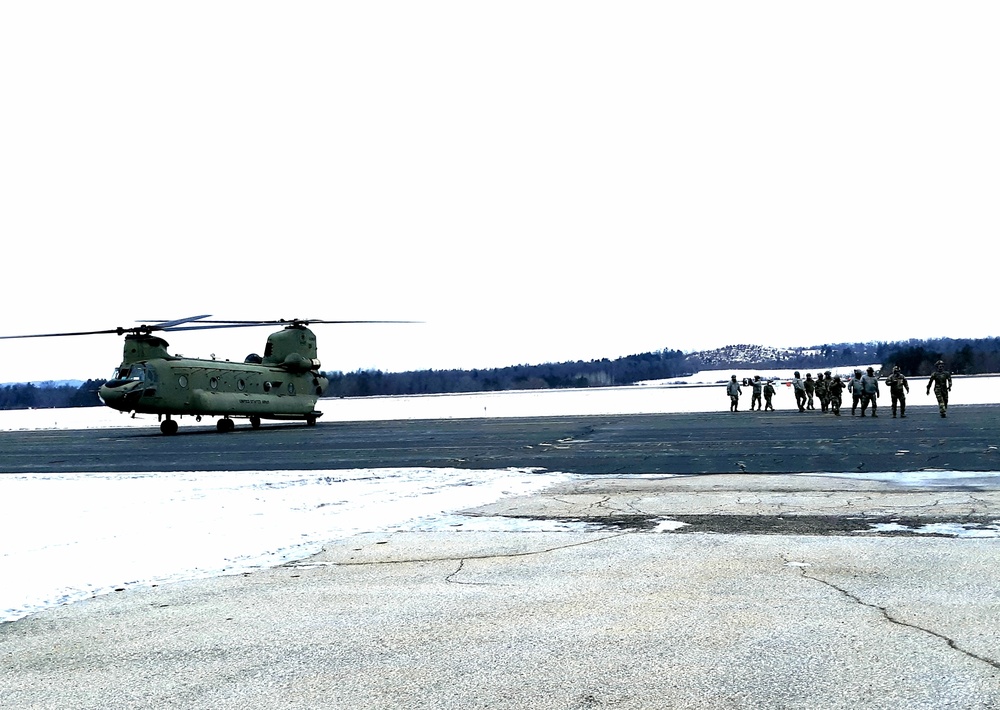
810,387
800,392
757,390
823,390
855,388
898,389
835,390
734,392
941,380
768,393
870,392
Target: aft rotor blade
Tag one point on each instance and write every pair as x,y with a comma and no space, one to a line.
210,324
216,326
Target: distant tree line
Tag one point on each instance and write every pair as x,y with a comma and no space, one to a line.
659,365
49,395
915,358
961,356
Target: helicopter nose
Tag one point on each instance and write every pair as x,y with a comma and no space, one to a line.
122,397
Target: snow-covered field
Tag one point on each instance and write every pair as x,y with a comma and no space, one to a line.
72,536
701,392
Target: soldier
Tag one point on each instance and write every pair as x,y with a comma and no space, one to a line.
822,390
810,385
942,386
836,392
768,393
757,388
869,393
855,388
897,384
734,392
800,392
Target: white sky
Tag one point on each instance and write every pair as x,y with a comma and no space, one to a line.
537,181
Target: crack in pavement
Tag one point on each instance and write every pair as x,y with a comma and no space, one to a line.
636,510
461,564
306,564
892,619
450,578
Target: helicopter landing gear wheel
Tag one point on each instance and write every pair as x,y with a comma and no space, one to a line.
255,422
168,427
225,424
310,420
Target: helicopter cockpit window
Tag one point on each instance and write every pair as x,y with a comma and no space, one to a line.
131,373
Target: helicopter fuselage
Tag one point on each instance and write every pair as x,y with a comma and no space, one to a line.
284,384
213,388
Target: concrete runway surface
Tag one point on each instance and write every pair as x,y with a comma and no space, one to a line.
777,592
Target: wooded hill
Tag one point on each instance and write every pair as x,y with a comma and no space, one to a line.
915,358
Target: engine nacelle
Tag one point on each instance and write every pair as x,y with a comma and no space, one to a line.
294,362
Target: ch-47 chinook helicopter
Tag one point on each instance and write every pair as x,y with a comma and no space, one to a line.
283,384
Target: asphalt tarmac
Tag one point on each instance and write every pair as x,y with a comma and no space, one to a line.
747,588
713,442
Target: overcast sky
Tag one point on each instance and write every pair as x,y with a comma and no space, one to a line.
536,181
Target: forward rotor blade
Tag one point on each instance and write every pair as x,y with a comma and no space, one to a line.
202,324
294,321
117,331
169,324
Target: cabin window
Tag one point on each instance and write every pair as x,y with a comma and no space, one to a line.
214,383
291,388
267,386
241,385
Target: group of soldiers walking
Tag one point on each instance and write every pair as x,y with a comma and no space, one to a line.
829,390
